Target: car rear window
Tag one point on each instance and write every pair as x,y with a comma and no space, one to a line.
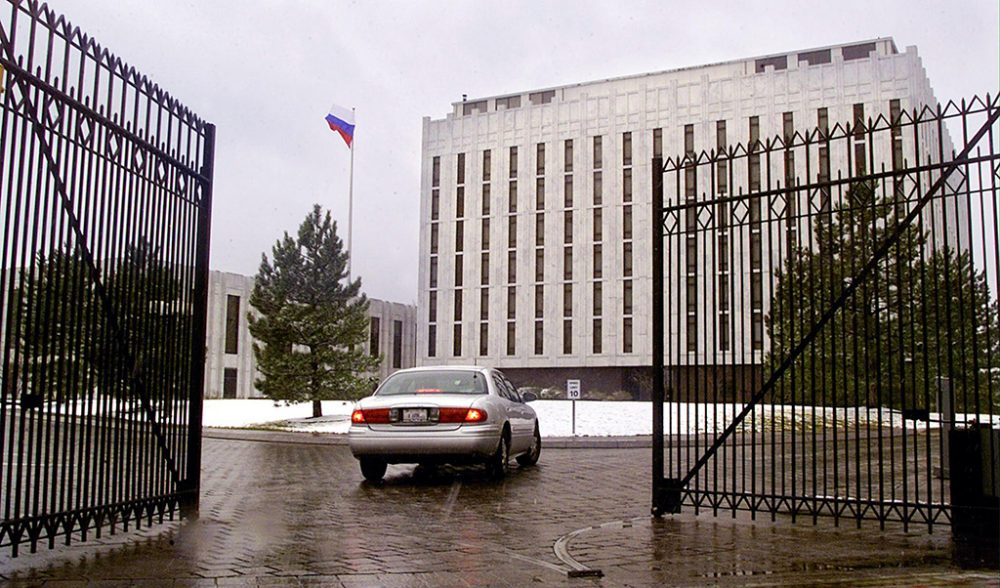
443,382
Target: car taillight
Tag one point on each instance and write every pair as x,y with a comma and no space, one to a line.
371,416
462,415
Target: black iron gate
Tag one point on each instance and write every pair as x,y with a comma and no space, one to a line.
825,316
106,185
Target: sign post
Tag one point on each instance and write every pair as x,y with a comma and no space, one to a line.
573,393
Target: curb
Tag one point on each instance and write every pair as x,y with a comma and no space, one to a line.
637,442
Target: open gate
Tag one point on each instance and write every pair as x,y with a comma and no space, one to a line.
106,185
825,319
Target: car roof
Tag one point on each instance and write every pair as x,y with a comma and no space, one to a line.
434,368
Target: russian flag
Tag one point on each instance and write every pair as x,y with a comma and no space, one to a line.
341,120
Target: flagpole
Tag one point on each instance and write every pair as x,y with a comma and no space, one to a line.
350,206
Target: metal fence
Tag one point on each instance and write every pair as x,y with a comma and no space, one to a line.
825,316
106,186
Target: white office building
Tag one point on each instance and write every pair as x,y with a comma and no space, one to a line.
535,206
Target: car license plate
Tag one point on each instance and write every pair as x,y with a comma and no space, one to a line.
414,415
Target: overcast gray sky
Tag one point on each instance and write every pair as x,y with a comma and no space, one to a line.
265,72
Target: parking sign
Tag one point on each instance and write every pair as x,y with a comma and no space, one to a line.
573,389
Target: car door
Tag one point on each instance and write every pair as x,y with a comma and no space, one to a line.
521,419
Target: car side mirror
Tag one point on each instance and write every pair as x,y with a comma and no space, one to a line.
529,396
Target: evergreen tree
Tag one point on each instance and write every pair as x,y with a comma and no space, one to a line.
924,314
51,304
313,323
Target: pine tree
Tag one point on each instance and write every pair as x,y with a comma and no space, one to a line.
312,322
925,313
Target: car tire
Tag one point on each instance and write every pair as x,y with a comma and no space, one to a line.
531,457
372,469
499,462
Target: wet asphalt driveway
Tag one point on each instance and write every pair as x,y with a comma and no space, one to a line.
290,514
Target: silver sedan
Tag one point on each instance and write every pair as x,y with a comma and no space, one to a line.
449,414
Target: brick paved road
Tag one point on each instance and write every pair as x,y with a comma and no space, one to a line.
280,514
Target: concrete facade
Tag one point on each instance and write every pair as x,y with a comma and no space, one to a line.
535,207
230,366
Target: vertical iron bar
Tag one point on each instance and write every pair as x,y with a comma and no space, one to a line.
192,482
659,503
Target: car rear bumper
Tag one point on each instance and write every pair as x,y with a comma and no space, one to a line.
402,446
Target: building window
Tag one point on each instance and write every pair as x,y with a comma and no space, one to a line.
626,148
473,107
598,299
458,305
567,263
627,185
539,337
512,266
457,340
484,338
460,169
627,335
627,222
598,336
539,229
598,225
513,162
434,272
435,204
778,63
861,51
567,300
435,172
815,57
598,188
568,155
512,197
539,193
460,202
536,98
432,307
232,324
511,339
540,159
567,337
434,238
459,236
484,304
487,165
484,268
431,340
859,140
512,232
458,270
598,261
230,380
568,191
508,102
539,301
484,237
373,332
511,302
539,264
657,142
486,199
598,152
627,259
627,297
397,344
568,226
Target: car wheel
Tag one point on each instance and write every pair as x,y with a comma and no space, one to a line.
531,457
372,469
498,464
